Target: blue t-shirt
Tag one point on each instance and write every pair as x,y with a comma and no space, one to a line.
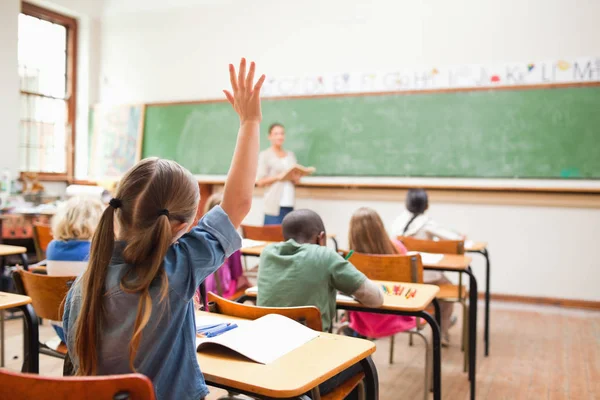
70,250
167,351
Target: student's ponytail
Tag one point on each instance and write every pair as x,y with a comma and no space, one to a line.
145,252
417,203
410,221
89,322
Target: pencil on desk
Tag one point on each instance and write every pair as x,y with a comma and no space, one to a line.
413,293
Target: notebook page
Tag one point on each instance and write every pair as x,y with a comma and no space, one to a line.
247,243
265,339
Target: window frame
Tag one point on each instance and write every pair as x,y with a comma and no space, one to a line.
71,90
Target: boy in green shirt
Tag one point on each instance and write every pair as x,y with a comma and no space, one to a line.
301,271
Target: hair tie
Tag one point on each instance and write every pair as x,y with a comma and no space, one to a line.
164,211
115,203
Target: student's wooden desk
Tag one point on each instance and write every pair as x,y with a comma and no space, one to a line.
481,248
253,251
398,305
292,375
31,350
6,250
461,263
450,262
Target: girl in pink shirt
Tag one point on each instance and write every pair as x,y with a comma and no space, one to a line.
368,235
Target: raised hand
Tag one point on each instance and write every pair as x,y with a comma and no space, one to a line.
246,96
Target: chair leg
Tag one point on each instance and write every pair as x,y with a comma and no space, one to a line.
315,394
361,391
410,338
428,365
392,340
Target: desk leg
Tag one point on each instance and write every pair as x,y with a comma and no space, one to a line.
371,378
2,338
486,334
31,344
437,352
438,313
25,261
472,329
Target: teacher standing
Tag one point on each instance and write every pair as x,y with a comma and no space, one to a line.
273,163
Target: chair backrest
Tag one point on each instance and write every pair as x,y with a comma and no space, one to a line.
115,387
309,315
392,268
42,234
47,292
433,246
267,233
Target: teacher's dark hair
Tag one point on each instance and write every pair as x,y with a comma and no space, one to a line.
304,226
417,203
275,125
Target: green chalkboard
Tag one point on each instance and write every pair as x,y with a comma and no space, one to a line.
535,133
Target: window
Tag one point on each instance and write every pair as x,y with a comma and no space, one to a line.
47,52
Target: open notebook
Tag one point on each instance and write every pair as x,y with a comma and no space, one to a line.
247,243
263,340
428,258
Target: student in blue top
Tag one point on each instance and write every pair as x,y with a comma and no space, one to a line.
132,309
72,228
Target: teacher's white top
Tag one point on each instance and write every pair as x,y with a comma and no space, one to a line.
269,164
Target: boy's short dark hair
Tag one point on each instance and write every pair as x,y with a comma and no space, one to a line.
302,226
417,201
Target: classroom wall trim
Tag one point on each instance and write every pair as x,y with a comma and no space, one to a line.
465,76
551,301
452,195
387,93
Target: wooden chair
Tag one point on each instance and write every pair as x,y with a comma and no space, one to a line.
115,387
267,233
396,268
47,295
448,292
42,236
309,316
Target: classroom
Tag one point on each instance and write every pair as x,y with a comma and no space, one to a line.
363,199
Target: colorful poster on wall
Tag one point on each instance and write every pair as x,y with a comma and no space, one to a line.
116,140
527,73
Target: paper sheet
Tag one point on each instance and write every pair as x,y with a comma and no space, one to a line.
246,243
265,339
430,258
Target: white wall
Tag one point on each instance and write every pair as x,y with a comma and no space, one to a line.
182,52
153,53
9,86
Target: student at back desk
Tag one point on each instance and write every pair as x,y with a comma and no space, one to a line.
367,235
72,228
415,223
301,271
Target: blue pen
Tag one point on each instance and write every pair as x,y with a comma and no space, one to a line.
218,331
202,328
